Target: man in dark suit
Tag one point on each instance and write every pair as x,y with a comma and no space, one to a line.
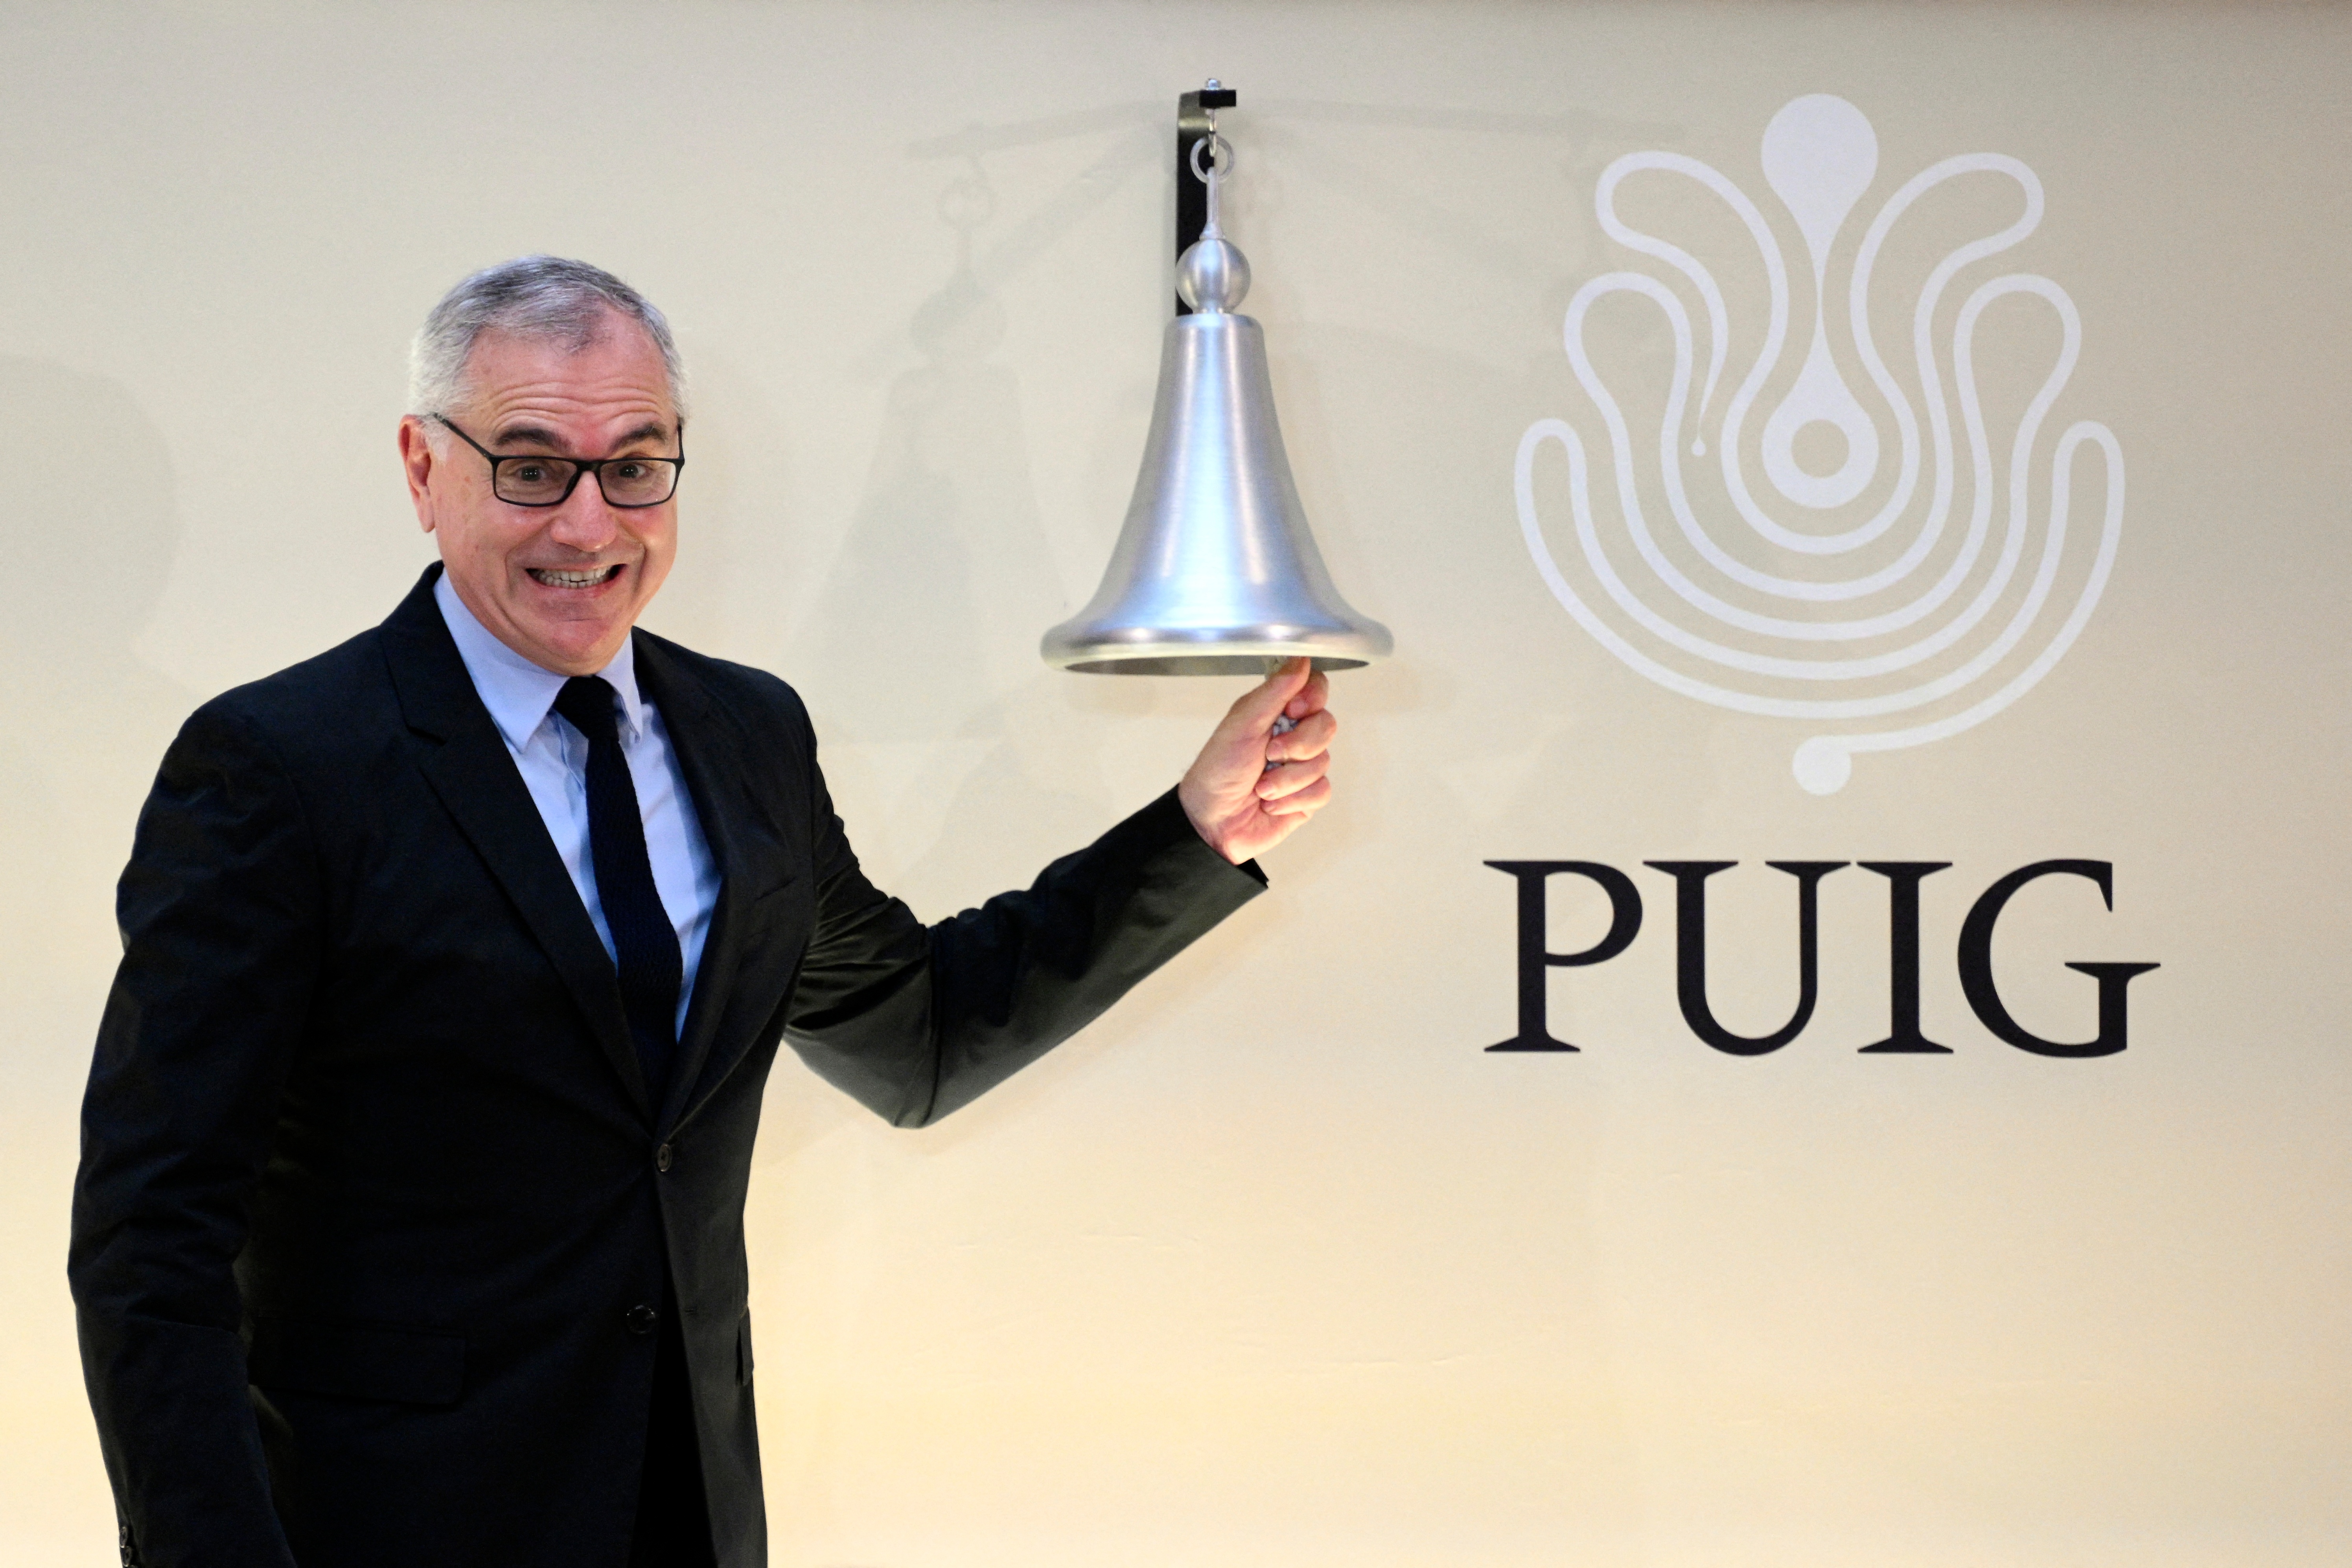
409,1223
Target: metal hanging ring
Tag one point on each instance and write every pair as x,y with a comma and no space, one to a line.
1219,148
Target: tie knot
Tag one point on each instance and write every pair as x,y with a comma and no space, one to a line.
588,701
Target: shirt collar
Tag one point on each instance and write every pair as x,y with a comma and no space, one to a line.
518,693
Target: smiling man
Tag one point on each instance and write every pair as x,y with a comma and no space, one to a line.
409,1223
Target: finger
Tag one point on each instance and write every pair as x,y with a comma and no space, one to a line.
1311,737
1292,777
1254,712
1305,802
1310,698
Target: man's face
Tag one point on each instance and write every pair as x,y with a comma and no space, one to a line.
560,585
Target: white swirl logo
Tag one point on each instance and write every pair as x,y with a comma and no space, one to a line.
1939,625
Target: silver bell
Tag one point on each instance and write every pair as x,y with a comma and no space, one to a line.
1215,571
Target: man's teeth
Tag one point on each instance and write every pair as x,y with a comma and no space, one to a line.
589,579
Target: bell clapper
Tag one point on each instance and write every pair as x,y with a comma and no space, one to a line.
1283,725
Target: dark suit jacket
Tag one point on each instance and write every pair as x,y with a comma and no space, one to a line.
371,1185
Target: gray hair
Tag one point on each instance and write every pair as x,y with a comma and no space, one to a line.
533,296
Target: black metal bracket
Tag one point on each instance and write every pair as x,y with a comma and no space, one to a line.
1195,122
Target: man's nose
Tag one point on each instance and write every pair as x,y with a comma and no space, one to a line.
585,522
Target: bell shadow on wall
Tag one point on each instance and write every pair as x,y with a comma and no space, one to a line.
89,528
925,634
947,490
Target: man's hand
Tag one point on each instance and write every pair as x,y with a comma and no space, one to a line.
1250,787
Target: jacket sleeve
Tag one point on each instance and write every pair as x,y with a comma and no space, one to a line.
916,1022
220,909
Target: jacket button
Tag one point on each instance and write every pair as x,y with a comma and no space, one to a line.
661,1158
642,1319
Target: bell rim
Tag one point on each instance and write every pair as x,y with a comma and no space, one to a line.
1255,666
1099,649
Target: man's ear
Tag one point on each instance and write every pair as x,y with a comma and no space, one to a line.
416,460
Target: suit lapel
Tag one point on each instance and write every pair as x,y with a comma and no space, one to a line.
468,766
704,739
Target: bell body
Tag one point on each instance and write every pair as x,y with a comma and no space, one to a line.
1215,571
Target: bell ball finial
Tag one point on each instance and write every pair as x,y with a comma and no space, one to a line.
1214,276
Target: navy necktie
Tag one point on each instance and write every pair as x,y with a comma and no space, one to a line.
645,944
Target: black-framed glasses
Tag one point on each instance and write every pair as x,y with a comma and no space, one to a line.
534,480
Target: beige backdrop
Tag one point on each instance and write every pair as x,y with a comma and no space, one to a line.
1276,1266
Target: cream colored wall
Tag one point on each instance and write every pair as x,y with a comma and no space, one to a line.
1275,1265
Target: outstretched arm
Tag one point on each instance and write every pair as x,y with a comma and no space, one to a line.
917,1022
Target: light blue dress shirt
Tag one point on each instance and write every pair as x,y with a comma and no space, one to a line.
553,759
